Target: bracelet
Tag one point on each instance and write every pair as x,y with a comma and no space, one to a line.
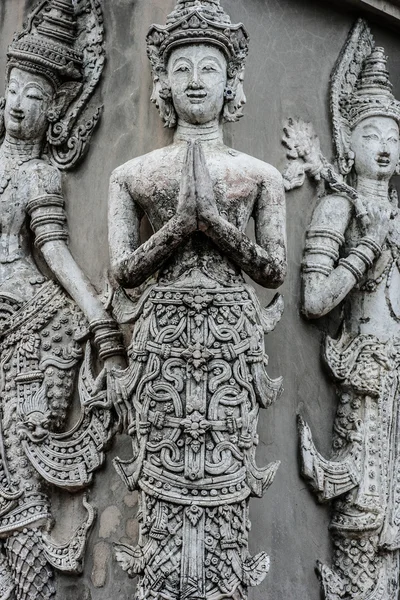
362,256
102,324
327,251
357,274
311,267
326,232
107,338
372,245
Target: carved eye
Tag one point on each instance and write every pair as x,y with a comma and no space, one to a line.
209,68
182,69
33,95
12,91
371,136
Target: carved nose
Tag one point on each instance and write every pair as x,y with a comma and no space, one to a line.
195,83
384,148
16,104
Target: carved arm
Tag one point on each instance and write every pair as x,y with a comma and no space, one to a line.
326,279
265,261
132,263
48,222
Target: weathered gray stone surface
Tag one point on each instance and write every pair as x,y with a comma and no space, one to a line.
294,45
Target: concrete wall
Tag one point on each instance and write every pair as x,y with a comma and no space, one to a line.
294,45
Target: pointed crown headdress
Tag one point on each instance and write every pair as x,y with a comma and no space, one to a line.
63,40
197,22
360,88
49,48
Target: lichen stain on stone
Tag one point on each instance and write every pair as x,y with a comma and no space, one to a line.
101,558
109,521
73,592
132,529
131,499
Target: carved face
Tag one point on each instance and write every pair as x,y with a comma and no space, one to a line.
197,76
28,97
375,143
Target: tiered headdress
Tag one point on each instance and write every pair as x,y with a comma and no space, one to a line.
66,45
360,88
199,21
49,49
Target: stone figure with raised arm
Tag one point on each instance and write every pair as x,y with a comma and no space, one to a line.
197,372
47,306
352,258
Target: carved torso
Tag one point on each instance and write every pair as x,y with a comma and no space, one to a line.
19,275
238,181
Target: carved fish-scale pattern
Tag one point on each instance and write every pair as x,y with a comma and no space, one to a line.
31,572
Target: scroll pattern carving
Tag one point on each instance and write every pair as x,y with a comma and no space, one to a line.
197,365
44,321
351,255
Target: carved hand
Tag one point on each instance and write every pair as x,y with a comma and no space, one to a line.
115,395
207,210
186,208
379,221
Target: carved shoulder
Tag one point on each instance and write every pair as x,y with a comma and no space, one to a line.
41,179
261,170
333,212
138,173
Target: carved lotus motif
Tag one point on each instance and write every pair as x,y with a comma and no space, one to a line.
194,514
195,425
198,301
197,357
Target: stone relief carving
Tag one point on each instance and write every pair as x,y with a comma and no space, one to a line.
197,365
47,306
352,257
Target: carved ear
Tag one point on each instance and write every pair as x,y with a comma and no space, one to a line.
65,94
236,98
162,98
344,151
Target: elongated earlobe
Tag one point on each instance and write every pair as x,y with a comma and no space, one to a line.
162,98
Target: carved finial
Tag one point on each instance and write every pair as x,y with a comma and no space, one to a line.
211,9
374,78
372,94
59,22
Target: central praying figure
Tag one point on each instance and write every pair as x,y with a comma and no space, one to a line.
197,372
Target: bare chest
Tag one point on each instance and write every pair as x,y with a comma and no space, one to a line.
12,209
234,192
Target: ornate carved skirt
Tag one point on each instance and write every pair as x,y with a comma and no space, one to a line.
38,359
196,379
362,478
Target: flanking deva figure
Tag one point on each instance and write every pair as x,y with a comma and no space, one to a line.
197,365
48,308
352,259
